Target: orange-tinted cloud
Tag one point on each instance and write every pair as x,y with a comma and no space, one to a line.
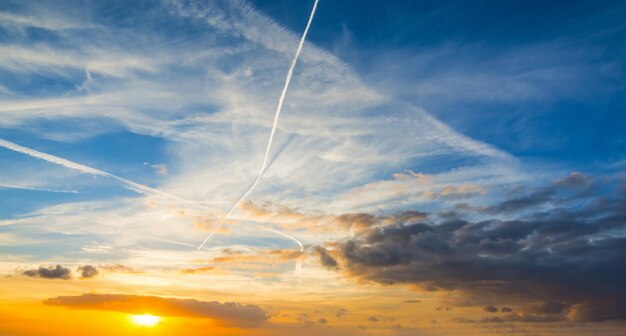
197,270
569,258
228,313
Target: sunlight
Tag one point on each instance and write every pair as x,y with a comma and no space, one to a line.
145,320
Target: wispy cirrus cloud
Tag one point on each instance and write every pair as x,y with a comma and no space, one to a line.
206,94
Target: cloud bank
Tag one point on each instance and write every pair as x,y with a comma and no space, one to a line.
555,260
228,313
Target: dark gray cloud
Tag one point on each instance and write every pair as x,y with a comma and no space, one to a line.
570,255
228,313
490,309
58,272
87,271
521,203
549,308
325,259
572,187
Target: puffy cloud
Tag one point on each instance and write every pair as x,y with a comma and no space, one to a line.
58,272
356,221
228,313
325,259
87,271
568,256
490,309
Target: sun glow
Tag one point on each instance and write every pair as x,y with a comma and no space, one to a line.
145,320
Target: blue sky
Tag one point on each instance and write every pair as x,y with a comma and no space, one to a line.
474,112
543,83
533,78
152,93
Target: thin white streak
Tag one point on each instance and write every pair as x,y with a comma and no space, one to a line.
12,186
271,139
169,241
140,188
300,260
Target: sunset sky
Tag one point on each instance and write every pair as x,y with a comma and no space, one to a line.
448,167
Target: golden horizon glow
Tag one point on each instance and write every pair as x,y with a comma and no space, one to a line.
145,320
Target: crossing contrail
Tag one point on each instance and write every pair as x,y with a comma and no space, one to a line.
140,188
279,107
151,191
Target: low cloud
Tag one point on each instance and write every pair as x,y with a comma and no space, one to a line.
58,272
325,259
490,309
87,271
228,313
562,263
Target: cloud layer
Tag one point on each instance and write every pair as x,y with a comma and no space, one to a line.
228,313
556,260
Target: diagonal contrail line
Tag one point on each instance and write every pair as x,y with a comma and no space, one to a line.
279,107
140,188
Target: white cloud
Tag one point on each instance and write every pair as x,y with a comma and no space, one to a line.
213,102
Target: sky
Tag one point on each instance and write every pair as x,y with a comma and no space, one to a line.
438,168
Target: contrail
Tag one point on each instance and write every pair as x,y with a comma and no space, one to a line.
13,186
140,188
271,139
300,260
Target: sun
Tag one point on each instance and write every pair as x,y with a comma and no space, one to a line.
145,320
